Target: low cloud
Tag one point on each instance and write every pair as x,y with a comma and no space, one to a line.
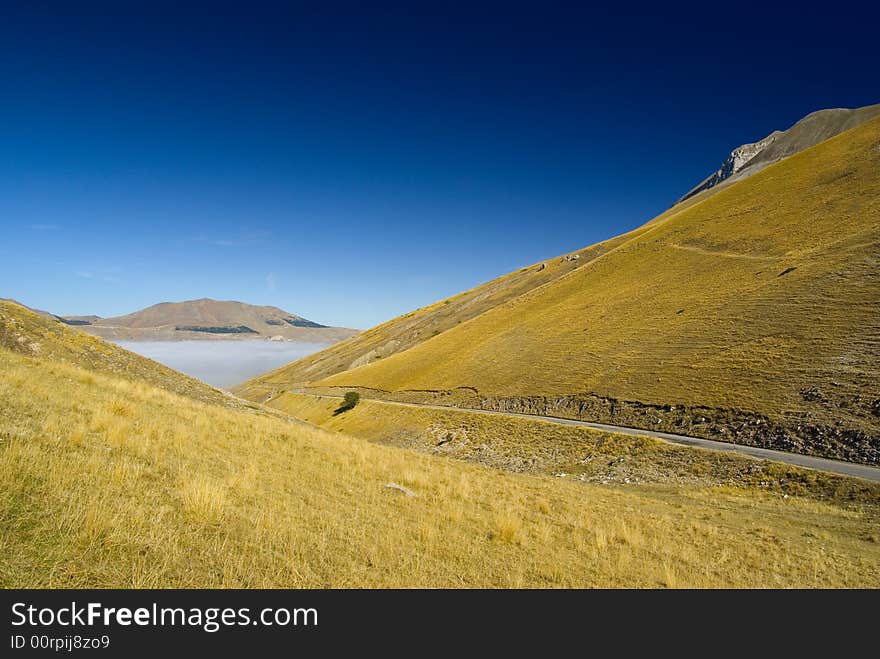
223,363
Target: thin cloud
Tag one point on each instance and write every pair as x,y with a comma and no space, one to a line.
271,282
251,238
44,227
107,274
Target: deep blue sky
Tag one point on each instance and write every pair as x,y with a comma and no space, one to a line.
351,165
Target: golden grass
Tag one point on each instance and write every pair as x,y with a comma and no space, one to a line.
425,323
693,308
582,454
120,484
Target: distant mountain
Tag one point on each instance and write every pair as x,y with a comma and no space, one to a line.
79,320
208,319
817,127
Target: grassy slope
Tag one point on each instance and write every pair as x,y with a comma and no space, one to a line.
114,473
695,308
109,482
418,326
540,447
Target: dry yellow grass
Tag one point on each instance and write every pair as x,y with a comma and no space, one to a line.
743,299
108,482
583,454
415,327
746,337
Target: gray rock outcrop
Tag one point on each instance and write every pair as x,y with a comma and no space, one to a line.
816,127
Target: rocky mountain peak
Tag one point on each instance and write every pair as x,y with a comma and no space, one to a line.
734,163
814,128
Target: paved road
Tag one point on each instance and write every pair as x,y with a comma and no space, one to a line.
810,462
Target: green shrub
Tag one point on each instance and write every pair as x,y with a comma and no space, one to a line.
350,399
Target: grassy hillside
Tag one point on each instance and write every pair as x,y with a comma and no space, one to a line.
418,326
535,446
106,482
748,314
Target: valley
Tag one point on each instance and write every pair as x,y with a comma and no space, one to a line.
116,472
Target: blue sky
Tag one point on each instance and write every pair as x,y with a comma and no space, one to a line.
351,165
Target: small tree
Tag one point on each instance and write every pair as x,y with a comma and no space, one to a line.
350,399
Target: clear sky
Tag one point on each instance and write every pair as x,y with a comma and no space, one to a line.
351,165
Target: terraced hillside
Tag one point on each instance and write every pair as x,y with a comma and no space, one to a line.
747,313
109,481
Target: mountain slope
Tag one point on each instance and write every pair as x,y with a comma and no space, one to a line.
212,319
748,314
411,329
816,127
418,326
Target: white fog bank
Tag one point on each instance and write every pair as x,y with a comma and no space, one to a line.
222,363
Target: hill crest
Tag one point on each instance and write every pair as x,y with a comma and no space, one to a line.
814,128
206,318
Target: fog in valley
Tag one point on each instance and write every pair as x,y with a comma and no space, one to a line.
222,363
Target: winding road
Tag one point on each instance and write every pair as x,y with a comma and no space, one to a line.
852,469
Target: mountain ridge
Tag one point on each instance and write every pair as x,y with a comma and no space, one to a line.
815,127
209,319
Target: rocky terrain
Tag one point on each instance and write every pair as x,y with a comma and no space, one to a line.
751,158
